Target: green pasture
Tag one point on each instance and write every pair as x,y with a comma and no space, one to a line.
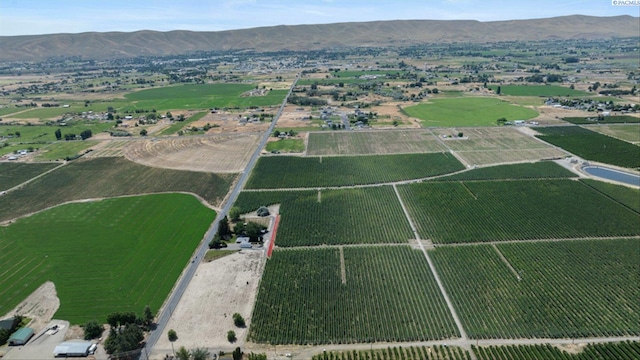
62,149
626,132
179,125
49,112
201,96
40,134
89,178
286,146
566,289
479,111
12,174
98,266
537,90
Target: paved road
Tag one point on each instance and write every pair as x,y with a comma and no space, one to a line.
183,282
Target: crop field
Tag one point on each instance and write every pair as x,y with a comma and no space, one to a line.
485,146
334,217
623,119
354,297
437,352
12,174
626,196
108,177
629,132
463,111
111,148
476,211
372,142
101,267
538,170
537,90
592,146
558,296
218,154
60,150
299,172
202,96
626,350
286,145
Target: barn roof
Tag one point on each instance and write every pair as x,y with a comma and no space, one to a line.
22,335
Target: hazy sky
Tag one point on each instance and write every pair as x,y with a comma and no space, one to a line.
29,17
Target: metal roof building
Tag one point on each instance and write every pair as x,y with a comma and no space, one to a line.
72,348
21,336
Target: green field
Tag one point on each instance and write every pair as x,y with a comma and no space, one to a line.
568,289
12,174
538,170
286,146
335,217
42,134
623,119
626,350
476,211
593,146
202,96
107,177
437,352
305,172
380,299
372,142
537,90
98,266
179,125
625,195
478,111
62,149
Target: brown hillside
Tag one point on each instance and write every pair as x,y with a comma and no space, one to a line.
307,37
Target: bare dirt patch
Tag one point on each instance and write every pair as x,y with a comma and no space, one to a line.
218,290
228,122
39,306
218,154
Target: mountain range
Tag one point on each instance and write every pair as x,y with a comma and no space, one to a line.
101,45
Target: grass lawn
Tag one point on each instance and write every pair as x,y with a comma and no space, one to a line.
467,112
201,97
537,90
286,146
61,149
41,134
99,266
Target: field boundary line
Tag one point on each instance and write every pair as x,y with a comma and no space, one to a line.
463,335
35,178
498,242
506,262
343,270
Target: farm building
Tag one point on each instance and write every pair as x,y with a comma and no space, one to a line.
72,348
21,336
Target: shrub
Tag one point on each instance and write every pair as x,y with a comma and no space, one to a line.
238,320
231,336
92,330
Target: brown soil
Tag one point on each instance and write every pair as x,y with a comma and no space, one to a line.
39,306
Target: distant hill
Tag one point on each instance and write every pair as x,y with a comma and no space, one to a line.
94,45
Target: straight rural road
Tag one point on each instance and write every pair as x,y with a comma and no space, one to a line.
180,287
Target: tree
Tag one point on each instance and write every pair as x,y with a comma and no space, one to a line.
183,354
276,133
17,133
223,228
123,340
460,134
254,231
200,354
92,330
173,336
238,320
143,132
237,354
58,134
86,134
501,121
148,315
235,213
231,336
498,90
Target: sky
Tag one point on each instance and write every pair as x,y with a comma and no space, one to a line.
34,17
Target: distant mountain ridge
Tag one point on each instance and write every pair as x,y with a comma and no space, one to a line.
95,45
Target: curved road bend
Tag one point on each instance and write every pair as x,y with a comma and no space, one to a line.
183,282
